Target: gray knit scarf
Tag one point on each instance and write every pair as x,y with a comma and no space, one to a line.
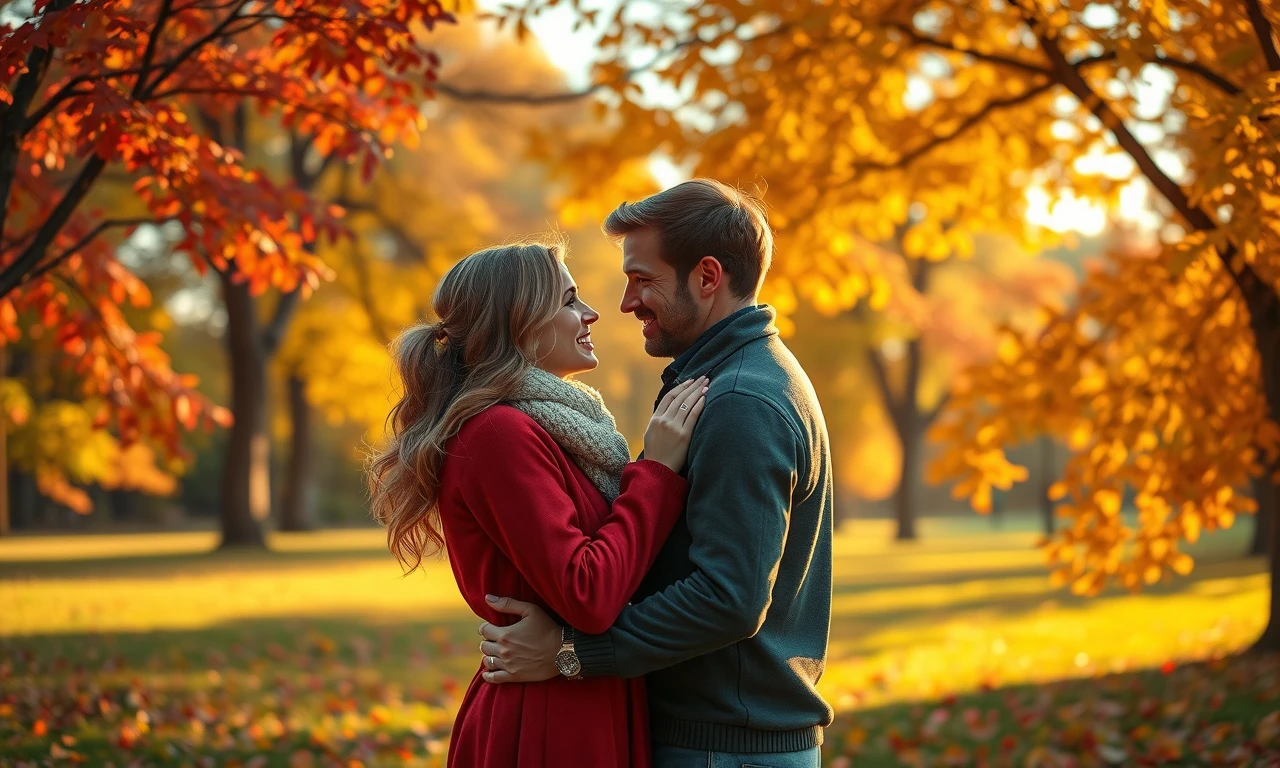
576,418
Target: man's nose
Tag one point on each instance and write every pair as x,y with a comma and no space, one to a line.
630,301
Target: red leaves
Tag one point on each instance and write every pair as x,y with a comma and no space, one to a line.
344,74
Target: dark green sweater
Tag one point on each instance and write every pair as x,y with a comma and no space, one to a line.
731,623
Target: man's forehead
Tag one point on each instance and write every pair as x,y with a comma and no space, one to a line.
640,253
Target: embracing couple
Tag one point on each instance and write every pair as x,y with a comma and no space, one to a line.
671,611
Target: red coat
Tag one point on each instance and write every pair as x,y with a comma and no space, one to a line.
521,520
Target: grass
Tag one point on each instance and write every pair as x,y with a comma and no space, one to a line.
153,649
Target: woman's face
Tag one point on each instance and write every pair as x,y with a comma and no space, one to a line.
564,344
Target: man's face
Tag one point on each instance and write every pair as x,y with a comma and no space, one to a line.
657,297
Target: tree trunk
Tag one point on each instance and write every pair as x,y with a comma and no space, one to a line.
904,496
1046,480
1264,318
296,498
1265,518
124,505
246,475
5,522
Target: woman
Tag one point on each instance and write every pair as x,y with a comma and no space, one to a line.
522,476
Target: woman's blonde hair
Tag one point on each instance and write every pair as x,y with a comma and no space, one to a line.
491,306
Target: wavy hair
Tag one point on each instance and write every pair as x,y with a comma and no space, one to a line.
491,306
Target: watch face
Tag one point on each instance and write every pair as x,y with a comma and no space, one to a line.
568,664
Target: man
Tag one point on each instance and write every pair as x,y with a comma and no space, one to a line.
730,625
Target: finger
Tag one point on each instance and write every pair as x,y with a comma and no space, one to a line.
481,629
695,412
490,648
511,606
670,397
492,632
673,408
690,400
498,676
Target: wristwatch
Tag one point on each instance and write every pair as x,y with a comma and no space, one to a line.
567,659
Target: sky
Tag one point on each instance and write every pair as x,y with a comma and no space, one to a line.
573,52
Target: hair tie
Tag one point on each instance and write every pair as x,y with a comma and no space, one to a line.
441,334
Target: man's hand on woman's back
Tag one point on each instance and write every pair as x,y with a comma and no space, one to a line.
524,652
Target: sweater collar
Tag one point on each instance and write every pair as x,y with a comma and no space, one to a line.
719,342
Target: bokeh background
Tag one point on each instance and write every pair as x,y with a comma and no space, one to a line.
1027,253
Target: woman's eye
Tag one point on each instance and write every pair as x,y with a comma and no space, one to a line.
572,302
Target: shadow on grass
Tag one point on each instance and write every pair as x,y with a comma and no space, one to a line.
133,566
1221,712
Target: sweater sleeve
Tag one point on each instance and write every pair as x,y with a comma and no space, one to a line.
743,470
512,481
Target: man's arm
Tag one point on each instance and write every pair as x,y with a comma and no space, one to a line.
741,478
743,469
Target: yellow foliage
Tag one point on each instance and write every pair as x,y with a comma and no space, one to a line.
64,449
1154,376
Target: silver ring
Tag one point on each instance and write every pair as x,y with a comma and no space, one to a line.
488,663
684,406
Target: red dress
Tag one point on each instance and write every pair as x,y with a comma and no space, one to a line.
521,520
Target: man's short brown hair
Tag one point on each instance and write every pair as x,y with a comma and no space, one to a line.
701,218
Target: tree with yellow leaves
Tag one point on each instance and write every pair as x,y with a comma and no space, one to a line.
939,317
1165,377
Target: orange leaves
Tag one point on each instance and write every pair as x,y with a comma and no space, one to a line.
1153,397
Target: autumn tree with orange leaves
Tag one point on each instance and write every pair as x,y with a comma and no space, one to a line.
156,92
1165,376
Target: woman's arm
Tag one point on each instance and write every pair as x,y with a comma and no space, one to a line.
510,479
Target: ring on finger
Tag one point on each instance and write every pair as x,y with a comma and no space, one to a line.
684,406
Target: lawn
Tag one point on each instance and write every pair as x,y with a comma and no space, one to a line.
153,650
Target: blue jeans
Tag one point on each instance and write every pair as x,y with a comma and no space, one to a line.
678,757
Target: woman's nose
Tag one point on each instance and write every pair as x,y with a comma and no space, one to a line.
590,316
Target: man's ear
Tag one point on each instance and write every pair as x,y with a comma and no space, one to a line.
708,275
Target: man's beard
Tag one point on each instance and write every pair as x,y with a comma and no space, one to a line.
682,314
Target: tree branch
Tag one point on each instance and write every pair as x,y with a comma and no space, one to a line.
525,99
172,65
13,118
53,263
965,124
881,373
1262,27
947,45
1245,278
1222,83
928,417
1165,185
153,40
14,273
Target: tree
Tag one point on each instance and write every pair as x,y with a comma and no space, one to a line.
939,317
1165,377
116,86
